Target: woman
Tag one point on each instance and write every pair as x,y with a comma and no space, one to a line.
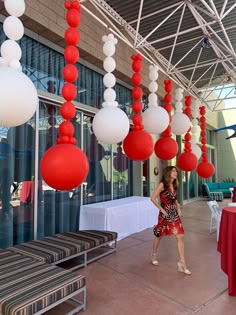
169,222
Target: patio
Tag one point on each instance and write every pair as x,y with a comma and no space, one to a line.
126,283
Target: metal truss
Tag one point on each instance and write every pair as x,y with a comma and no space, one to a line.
205,79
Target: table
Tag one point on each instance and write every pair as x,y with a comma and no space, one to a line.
226,246
125,216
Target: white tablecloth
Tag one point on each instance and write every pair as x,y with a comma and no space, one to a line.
125,216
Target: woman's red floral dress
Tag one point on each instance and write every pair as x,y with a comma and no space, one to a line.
170,225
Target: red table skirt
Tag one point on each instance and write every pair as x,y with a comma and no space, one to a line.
227,246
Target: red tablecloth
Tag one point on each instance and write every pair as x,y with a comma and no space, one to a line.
227,246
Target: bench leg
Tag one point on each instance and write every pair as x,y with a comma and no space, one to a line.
81,306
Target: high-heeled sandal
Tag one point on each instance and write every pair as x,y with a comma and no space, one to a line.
182,269
155,262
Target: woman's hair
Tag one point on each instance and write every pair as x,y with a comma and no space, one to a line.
166,177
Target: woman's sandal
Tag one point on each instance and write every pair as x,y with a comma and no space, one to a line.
154,260
182,269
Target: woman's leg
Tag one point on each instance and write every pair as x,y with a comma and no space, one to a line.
155,245
180,244
181,264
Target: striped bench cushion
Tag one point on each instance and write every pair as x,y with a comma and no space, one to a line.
28,286
57,248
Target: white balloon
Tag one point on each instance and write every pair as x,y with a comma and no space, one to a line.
13,28
110,37
110,125
196,150
109,95
194,129
109,64
18,98
152,98
155,119
180,123
109,80
153,75
109,48
153,86
11,50
194,122
3,62
15,64
109,103
194,138
15,7
178,96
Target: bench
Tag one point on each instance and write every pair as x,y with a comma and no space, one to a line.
217,191
88,245
30,281
29,286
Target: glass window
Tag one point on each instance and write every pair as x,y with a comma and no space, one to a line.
17,147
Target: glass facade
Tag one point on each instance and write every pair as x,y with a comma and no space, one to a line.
29,208
191,183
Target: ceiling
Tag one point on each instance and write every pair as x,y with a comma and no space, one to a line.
193,42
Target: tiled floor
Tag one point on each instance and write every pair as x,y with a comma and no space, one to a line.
126,283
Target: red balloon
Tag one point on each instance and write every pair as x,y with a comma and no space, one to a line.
166,148
75,4
137,106
67,4
72,36
67,110
187,137
187,111
137,92
137,66
168,107
138,145
136,79
73,17
168,98
71,54
69,91
202,119
64,167
188,100
70,73
187,161
205,169
66,128
137,119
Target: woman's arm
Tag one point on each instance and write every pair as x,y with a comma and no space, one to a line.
155,195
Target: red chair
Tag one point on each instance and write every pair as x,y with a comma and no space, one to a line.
234,195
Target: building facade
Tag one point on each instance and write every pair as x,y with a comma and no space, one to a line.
29,208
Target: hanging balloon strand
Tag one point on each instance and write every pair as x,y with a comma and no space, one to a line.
138,145
19,106
155,118
187,161
65,166
166,148
205,169
195,114
110,124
